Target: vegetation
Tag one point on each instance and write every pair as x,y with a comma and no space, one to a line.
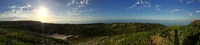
100,33
22,37
172,35
86,30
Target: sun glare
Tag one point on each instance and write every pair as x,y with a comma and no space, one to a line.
42,14
42,11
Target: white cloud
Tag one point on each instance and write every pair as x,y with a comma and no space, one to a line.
87,1
12,7
81,2
72,13
140,4
80,6
68,4
80,11
176,10
7,12
84,2
148,4
90,10
73,1
137,3
190,13
77,3
77,7
157,7
198,11
12,11
26,6
19,9
189,1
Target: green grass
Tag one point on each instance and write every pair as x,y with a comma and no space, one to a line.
103,34
22,37
186,36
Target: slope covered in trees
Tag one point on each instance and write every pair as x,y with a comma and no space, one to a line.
102,34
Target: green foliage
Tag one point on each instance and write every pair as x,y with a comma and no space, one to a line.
138,38
86,30
22,37
185,35
101,34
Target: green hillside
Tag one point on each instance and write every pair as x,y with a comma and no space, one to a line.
172,35
23,37
167,36
30,32
86,30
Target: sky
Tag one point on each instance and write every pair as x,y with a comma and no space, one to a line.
168,12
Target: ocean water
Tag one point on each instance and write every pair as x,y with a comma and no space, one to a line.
164,22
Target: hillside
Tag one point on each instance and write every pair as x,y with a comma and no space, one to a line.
102,34
23,37
168,36
96,29
172,35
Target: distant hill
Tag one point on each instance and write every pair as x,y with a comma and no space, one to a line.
172,35
94,29
195,23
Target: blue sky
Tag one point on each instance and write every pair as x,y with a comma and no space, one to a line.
91,11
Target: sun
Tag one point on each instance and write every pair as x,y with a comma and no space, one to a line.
42,14
42,11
